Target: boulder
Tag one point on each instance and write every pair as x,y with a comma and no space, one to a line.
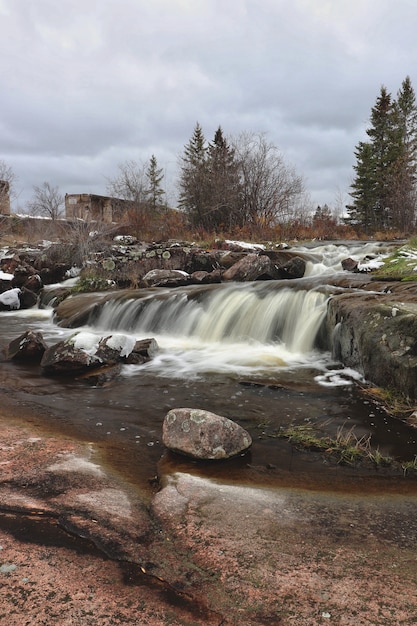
295,268
203,435
252,267
166,278
206,278
21,274
28,347
350,265
85,351
27,298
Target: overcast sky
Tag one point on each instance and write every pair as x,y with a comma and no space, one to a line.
88,84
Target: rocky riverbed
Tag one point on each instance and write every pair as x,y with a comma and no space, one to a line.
85,542
79,547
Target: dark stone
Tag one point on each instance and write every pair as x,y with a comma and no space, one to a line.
295,268
27,347
206,278
143,351
21,275
33,283
54,274
27,298
350,265
203,435
101,376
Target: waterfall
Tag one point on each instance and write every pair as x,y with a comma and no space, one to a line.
229,314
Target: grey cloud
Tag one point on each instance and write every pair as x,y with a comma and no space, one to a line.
86,86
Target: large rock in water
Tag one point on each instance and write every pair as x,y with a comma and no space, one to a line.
252,267
27,347
85,351
203,435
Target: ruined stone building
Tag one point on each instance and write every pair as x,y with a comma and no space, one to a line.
90,207
4,197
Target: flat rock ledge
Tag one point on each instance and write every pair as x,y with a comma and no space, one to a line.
203,435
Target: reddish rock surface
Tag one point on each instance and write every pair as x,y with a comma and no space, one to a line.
79,547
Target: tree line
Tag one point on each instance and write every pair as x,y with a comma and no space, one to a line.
384,186
222,184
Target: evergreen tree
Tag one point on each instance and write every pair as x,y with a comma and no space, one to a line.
364,193
384,187
154,192
404,180
224,184
194,178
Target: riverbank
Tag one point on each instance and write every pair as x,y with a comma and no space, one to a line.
77,550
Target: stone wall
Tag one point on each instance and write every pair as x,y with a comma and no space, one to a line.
4,198
91,207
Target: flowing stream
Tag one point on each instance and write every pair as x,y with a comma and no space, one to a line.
253,352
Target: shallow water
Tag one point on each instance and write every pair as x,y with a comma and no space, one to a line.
223,349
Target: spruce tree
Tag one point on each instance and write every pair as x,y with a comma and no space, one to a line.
154,191
404,179
194,178
224,184
384,187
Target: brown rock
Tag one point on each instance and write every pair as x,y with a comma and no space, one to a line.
252,267
28,347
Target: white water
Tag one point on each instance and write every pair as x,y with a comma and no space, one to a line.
330,256
244,329
233,329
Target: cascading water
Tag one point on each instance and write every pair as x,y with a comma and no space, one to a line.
253,327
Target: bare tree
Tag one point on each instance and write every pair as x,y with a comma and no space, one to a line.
47,201
272,190
130,184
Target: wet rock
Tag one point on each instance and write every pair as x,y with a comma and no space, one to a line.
28,298
350,265
252,267
101,376
295,268
166,278
203,435
376,335
206,278
85,351
144,350
33,283
54,274
21,275
28,347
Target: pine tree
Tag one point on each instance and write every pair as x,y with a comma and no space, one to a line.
224,184
384,188
154,192
364,192
194,178
404,179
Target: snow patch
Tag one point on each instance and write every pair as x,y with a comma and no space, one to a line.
88,342
10,298
6,276
124,343
246,245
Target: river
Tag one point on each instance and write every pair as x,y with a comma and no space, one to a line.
252,352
